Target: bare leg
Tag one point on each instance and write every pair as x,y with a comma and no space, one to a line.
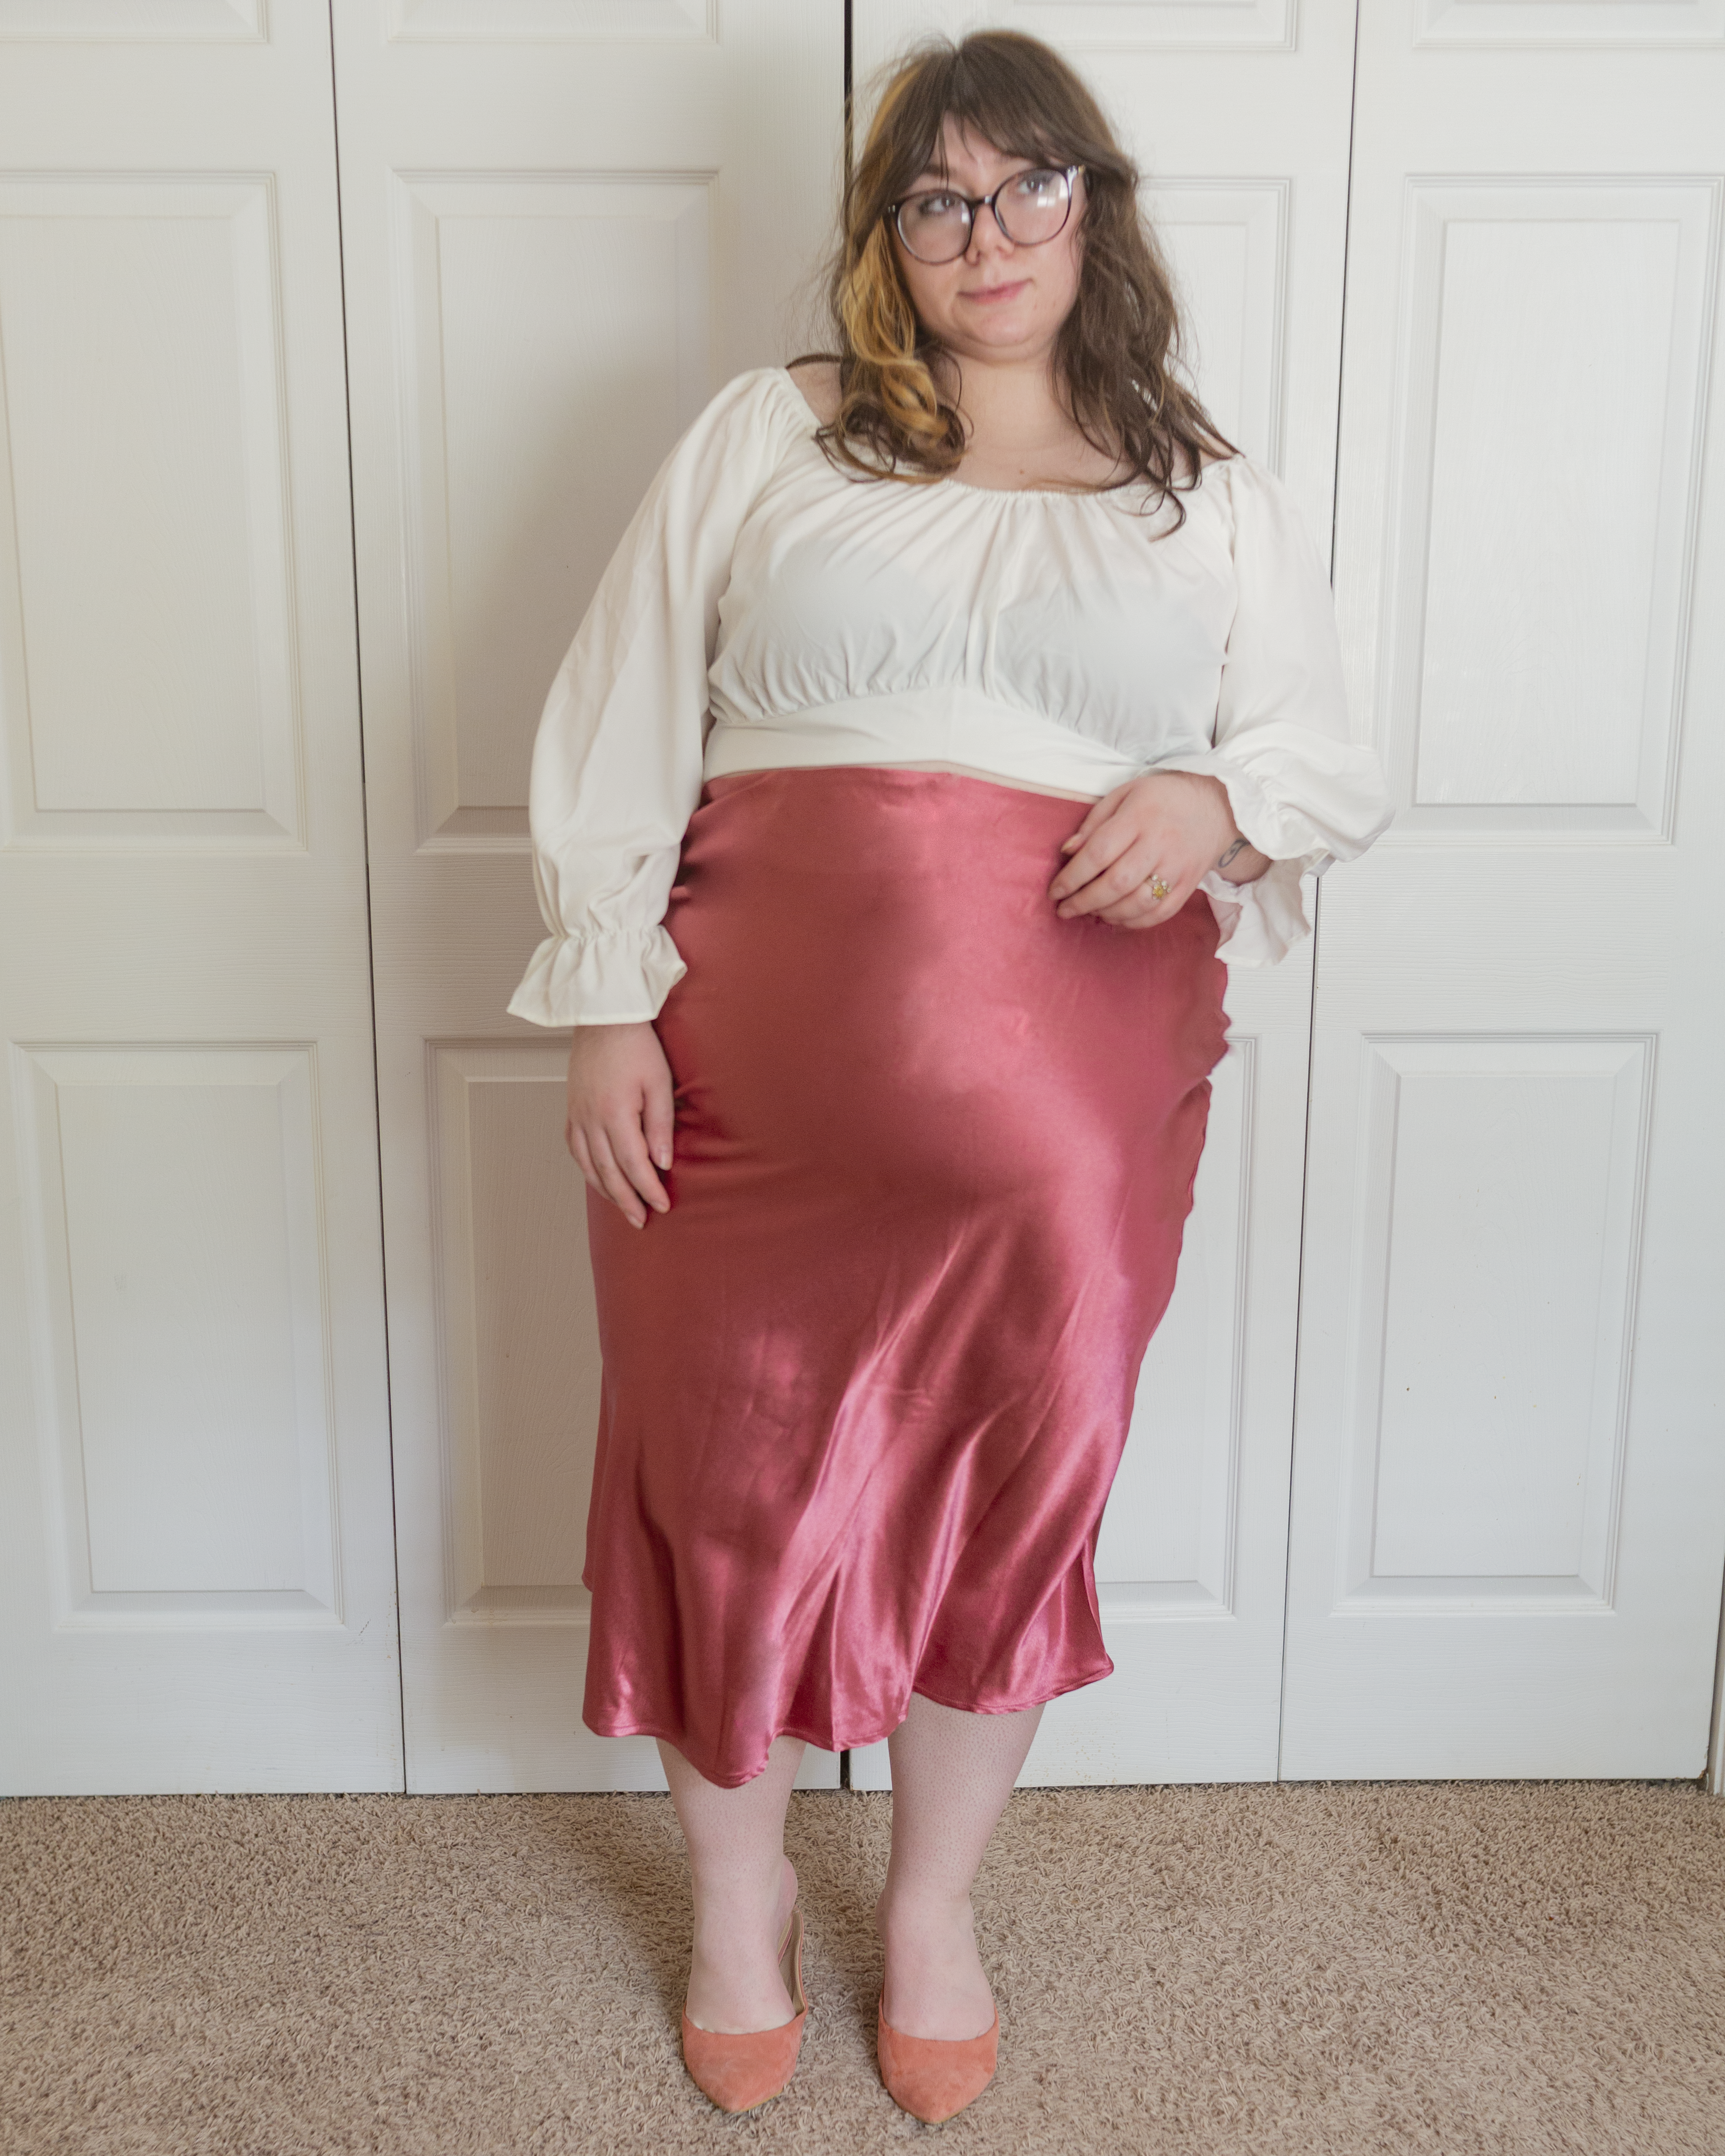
952,1775
744,1886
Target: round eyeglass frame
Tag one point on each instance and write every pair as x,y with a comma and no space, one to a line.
972,203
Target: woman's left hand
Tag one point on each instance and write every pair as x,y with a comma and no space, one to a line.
1174,824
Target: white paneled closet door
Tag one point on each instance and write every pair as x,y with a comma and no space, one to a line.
1238,114
1509,1497
567,224
197,1584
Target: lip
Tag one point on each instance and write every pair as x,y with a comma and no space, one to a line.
990,296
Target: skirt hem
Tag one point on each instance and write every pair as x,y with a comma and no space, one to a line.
826,1743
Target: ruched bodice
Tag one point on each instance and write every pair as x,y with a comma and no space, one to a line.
1069,607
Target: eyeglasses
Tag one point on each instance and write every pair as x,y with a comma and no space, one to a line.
1030,209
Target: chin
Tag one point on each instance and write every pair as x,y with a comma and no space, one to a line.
1014,325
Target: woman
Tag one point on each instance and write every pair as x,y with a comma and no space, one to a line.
921,676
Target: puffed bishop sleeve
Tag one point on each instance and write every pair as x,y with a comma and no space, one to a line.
1301,789
617,760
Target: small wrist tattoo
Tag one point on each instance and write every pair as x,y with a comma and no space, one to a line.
1235,848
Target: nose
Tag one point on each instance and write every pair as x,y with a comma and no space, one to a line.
982,221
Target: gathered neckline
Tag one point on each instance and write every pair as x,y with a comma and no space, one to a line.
1047,493
1108,496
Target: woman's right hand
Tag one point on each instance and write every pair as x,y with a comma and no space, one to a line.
620,1115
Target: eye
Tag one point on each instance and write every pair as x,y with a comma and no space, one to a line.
933,205
1039,185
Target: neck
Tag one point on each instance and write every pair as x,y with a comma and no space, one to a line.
1019,430
1014,398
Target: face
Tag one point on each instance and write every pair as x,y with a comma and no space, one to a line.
996,301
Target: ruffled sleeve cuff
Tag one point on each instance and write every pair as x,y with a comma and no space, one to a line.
1262,921
1342,808
615,979
1265,815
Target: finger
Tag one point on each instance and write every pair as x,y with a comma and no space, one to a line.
1129,914
583,1159
629,1149
1099,812
1139,908
1122,876
1142,912
1103,847
658,1119
613,1183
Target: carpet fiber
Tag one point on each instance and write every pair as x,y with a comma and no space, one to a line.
1307,1967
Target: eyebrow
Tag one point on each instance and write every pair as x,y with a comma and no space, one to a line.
942,176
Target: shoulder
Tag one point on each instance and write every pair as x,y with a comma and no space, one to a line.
1262,509
816,382
762,398
1251,489
740,435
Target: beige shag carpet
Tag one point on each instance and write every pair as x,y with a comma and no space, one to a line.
1318,1969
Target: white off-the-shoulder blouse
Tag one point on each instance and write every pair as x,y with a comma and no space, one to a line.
763,609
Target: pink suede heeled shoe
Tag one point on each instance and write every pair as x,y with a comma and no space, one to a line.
930,2077
740,2070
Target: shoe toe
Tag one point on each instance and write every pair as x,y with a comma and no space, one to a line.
931,2079
737,2071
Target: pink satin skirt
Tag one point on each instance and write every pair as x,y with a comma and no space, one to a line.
866,1384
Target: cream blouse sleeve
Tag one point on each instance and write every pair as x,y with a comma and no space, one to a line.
1301,789
617,760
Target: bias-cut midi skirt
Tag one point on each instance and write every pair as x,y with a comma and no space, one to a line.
867,1383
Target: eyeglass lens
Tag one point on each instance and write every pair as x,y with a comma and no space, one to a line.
1029,208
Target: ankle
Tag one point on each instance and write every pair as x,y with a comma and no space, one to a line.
736,1979
731,1906
933,1985
921,1908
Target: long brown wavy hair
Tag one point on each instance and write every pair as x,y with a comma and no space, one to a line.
1118,349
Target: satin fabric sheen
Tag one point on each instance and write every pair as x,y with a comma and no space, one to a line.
867,1383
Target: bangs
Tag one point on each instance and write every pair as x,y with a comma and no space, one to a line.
976,119
990,104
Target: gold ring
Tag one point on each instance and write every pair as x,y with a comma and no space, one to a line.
1159,889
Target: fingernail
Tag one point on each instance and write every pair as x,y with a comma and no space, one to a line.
663,1158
